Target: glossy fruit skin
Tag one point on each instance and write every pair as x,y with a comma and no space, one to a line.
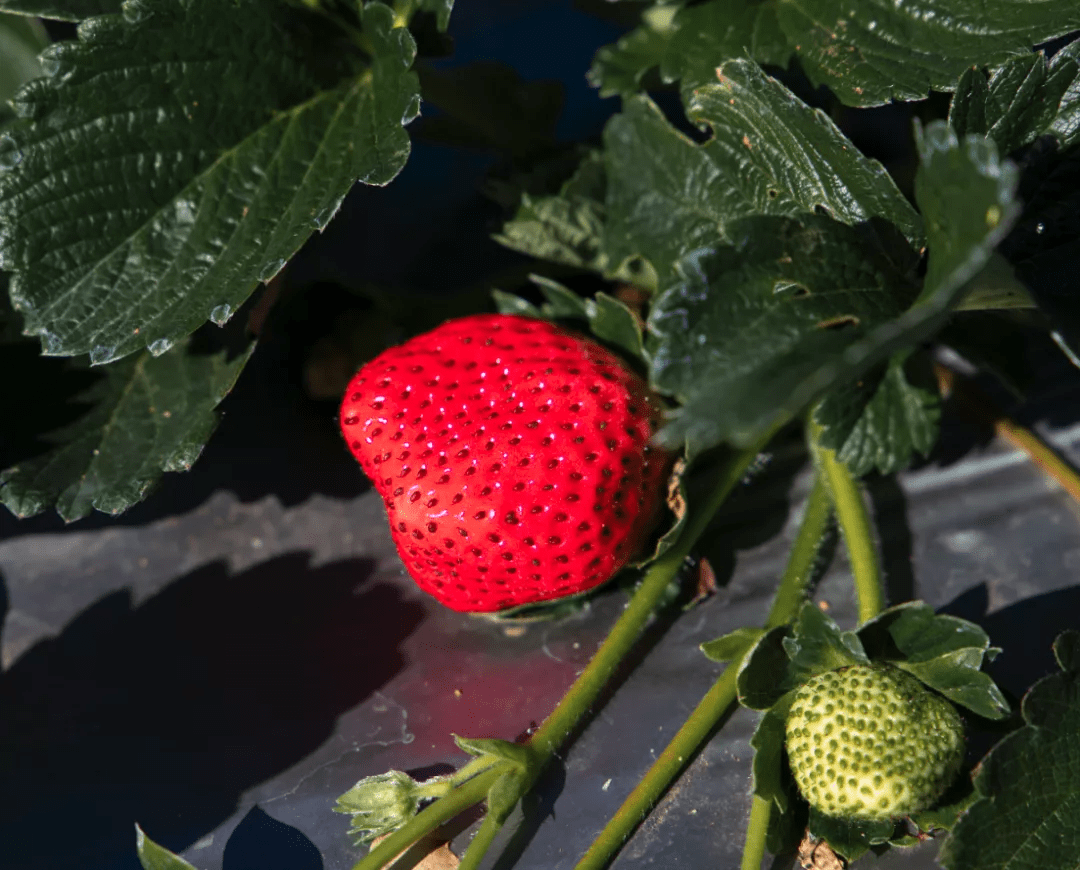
871,742
512,456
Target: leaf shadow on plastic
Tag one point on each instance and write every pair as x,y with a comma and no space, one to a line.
213,703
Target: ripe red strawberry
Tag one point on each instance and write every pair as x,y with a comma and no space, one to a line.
513,458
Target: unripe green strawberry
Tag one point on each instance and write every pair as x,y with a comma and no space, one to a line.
872,742
513,457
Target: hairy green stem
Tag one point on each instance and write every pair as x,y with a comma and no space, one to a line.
757,830
855,526
467,795
719,699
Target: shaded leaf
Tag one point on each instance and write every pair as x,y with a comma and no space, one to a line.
155,857
1026,815
764,677
867,53
148,415
881,423
441,9
755,330
620,68
770,154
771,778
505,793
1024,99
167,166
61,10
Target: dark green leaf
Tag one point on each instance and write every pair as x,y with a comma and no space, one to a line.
944,818
732,645
181,153
882,422
755,330
770,154
848,837
1027,815
61,10
867,54
148,415
568,227
817,645
155,857
562,302
619,68
21,41
1026,98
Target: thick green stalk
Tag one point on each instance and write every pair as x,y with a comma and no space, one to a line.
757,830
701,723
855,525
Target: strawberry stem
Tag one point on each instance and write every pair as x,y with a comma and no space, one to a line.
855,526
757,830
719,699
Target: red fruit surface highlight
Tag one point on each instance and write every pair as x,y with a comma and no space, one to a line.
513,458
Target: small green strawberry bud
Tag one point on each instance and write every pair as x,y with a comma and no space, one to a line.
872,742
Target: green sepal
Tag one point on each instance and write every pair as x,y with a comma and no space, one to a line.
849,837
772,782
764,675
155,857
817,645
383,803
508,303
942,651
732,645
519,756
505,793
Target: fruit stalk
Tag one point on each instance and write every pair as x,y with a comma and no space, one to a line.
855,526
720,698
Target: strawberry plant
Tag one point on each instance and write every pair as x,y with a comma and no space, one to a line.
730,265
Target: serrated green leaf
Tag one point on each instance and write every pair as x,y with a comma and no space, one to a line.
620,68
155,857
770,154
568,227
755,330
21,41
1025,98
148,415
179,154
61,10
883,422
850,838
703,325
732,645
867,53
1027,814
